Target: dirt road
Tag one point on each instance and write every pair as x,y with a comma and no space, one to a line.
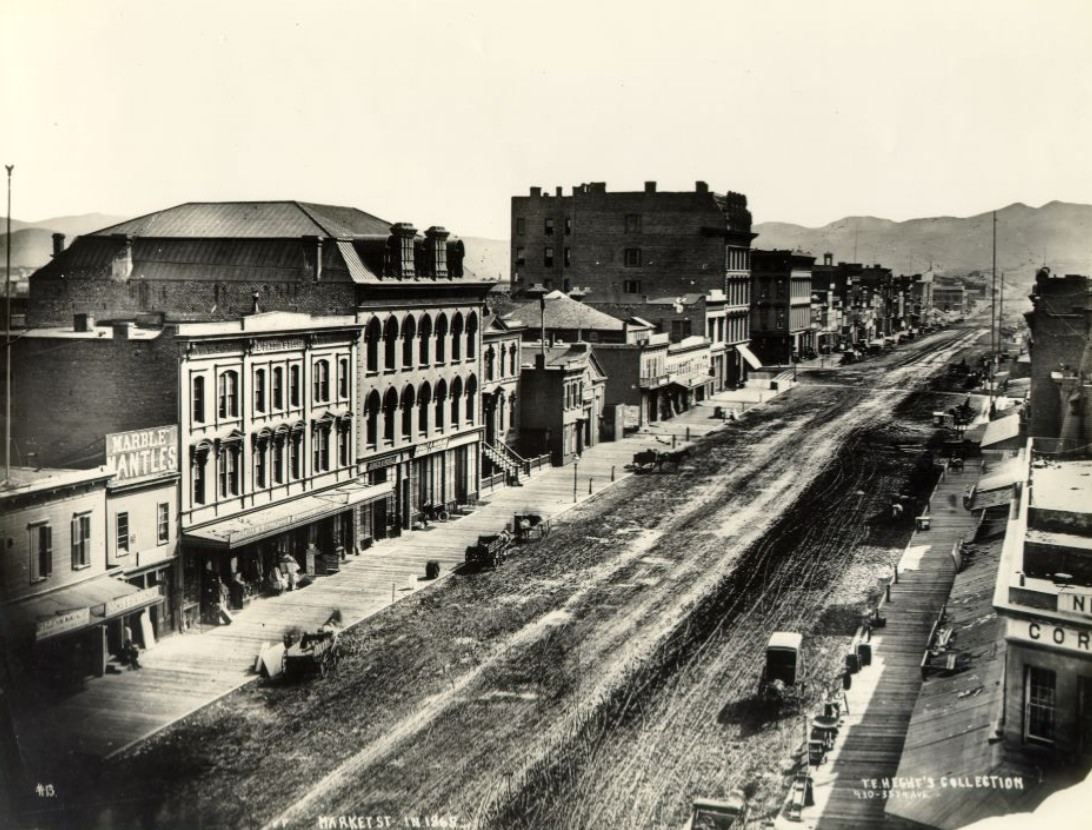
602,678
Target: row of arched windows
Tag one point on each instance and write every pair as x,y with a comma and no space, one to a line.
417,343
422,410
501,361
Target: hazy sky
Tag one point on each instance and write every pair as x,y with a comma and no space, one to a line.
438,112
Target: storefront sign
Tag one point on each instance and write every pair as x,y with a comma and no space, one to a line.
142,453
68,621
379,464
1050,634
431,446
145,596
278,344
1075,603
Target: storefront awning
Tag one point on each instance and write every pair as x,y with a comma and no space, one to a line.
237,531
749,356
76,607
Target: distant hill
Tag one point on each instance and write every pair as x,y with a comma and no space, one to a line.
1057,233
32,242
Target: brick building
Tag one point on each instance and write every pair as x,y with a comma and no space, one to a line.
625,247
569,374
1061,324
781,316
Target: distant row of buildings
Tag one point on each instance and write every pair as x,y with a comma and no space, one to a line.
209,393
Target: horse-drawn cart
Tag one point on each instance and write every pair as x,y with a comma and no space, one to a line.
530,527
490,550
313,652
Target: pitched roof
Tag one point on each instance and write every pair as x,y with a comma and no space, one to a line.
252,219
565,313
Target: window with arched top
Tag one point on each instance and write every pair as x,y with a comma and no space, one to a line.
513,360
424,337
471,400
456,400
457,337
471,335
440,400
424,400
409,333
441,338
390,408
407,412
390,345
372,335
371,419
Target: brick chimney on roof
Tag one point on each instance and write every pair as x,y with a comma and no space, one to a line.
650,187
58,243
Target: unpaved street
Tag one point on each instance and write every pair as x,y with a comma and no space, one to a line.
604,676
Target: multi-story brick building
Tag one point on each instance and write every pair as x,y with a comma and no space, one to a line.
626,247
781,317
569,374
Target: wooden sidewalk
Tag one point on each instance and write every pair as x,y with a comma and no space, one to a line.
848,788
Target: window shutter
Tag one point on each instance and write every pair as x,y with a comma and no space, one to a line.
75,542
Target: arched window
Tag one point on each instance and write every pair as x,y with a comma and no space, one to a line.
513,360
424,400
407,413
471,400
424,336
441,396
409,331
372,336
457,337
441,338
490,359
390,345
371,416
456,400
199,457
471,335
390,407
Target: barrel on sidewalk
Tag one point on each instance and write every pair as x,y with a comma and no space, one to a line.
432,569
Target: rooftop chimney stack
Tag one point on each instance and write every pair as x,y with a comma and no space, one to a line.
536,192
701,187
650,187
58,243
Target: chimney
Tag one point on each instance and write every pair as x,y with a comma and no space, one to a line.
123,331
701,187
83,322
828,259
536,192
58,243
122,266
557,191
436,251
650,187
312,255
255,308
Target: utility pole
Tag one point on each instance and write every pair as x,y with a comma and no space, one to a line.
7,343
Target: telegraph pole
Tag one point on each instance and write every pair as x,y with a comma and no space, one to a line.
7,342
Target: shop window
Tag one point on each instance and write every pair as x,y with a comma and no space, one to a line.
278,388
163,523
1039,704
41,551
122,522
343,378
229,395
198,399
259,390
322,381
81,541
294,386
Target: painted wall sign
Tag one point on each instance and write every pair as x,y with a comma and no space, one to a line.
1050,634
140,598
68,621
142,453
1075,603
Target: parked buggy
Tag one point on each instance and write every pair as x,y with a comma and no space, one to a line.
782,676
490,551
530,527
313,652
